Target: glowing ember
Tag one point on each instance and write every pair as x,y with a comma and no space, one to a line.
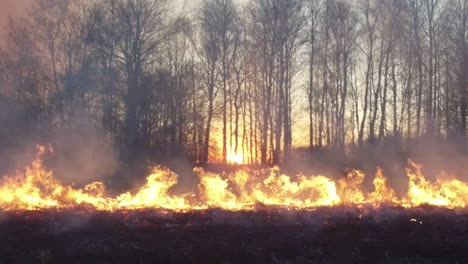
36,189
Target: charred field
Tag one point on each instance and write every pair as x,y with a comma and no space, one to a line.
266,235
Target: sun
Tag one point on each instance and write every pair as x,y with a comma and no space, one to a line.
235,158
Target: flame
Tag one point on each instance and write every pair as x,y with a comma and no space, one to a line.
351,188
447,193
36,188
383,193
155,193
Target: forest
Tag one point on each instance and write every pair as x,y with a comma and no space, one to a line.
246,82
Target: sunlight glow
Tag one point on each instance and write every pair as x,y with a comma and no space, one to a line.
235,158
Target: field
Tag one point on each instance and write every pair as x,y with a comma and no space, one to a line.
267,235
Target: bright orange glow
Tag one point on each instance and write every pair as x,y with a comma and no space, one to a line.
235,158
36,188
238,151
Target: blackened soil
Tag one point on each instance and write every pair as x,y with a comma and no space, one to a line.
328,235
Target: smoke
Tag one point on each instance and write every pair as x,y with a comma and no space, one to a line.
3,217
18,135
83,153
188,180
441,158
68,222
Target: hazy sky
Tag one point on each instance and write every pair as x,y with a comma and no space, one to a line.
17,7
10,8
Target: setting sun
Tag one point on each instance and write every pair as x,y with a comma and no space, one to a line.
235,158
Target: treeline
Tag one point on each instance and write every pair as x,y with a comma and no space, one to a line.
229,78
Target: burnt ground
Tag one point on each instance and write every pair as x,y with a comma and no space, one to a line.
328,235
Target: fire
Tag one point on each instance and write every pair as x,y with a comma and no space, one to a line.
36,188
447,193
383,193
155,193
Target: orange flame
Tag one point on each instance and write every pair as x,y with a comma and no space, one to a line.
37,189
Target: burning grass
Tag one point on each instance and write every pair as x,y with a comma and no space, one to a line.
36,188
247,216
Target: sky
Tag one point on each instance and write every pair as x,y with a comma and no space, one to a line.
11,8
15,8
